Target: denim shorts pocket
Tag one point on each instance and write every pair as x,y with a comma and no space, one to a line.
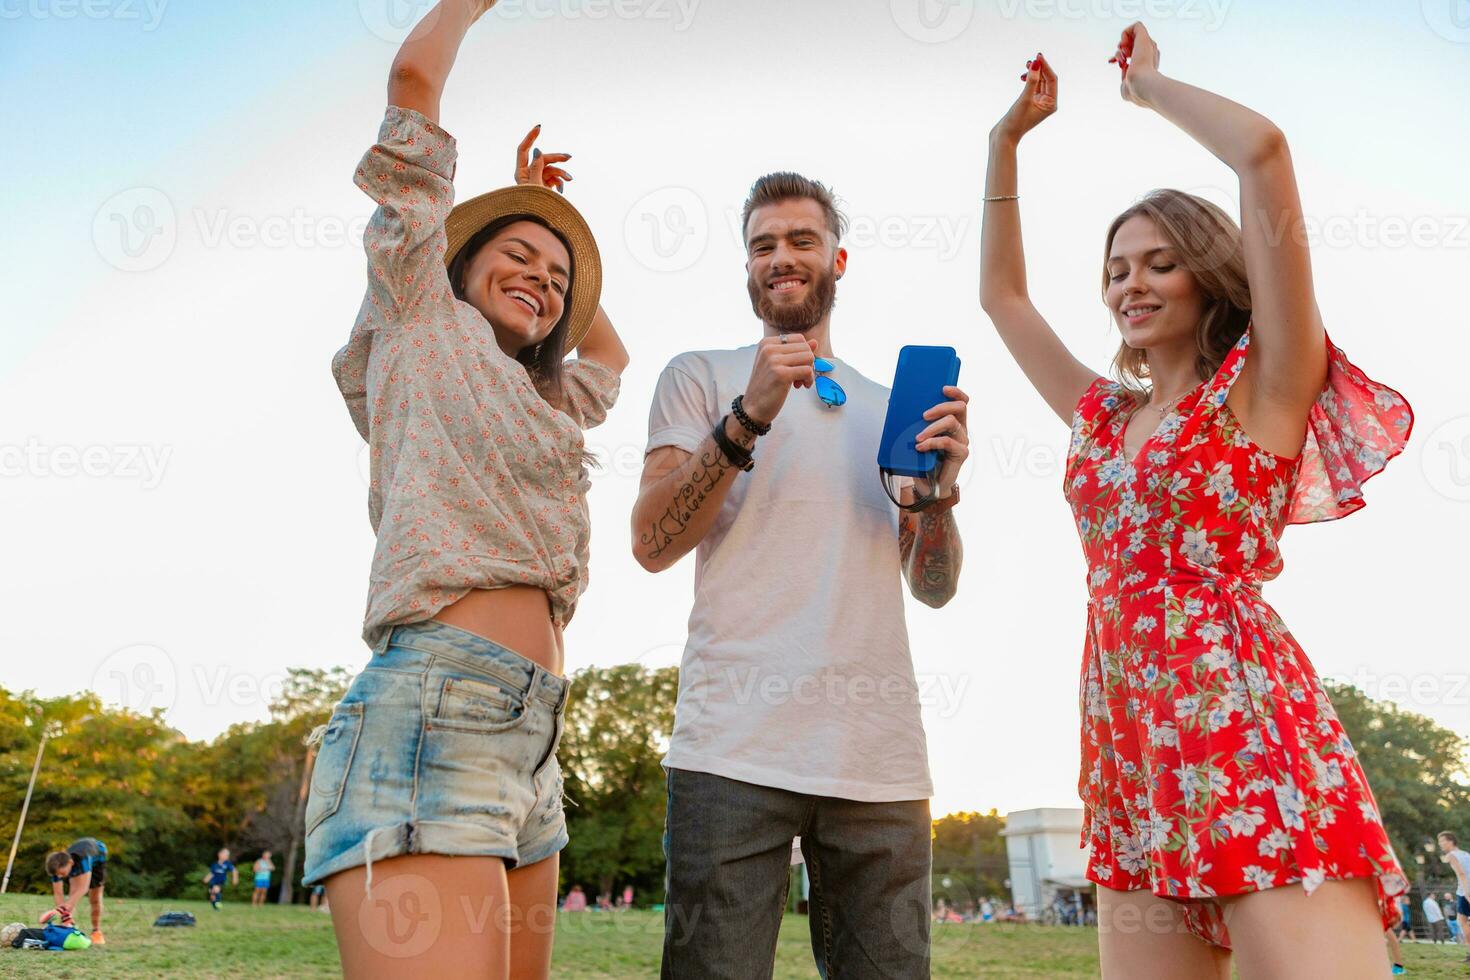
469,705
329,777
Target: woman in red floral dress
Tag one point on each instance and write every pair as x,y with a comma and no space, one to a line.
1220,789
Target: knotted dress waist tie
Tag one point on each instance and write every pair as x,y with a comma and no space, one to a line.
1179,580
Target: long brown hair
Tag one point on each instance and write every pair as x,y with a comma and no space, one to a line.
543,360
1209,245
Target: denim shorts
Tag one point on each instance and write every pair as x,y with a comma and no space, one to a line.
444,744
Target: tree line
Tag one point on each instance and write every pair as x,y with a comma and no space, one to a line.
165,804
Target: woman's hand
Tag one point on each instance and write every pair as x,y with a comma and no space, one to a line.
535,167
1138,58
1037,101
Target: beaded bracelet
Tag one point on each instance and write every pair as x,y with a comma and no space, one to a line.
749,424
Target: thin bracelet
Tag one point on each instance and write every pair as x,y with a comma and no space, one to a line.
1003,197
942,504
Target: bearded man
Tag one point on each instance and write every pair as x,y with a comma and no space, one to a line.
798,709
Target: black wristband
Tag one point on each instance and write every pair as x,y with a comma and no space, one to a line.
920,502
749,424
736,455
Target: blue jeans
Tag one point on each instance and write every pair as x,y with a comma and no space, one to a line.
728,847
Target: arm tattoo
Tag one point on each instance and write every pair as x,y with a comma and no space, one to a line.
674,521
929,546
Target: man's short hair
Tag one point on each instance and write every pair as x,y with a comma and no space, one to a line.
56,862
1450,836
787,186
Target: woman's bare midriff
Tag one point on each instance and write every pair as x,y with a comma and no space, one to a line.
518,617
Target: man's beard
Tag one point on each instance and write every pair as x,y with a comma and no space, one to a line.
795,319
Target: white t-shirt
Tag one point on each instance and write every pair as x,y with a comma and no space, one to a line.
796,673
1432,912
1464,860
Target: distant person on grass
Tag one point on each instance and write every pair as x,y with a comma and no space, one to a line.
1395,951
263,868
83,866
1434,916
220,870
1459,862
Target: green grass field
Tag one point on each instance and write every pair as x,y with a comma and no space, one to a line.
239,941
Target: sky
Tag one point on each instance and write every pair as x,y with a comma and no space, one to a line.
183,494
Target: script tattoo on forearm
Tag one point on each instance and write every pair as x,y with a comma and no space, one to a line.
929,545
688,499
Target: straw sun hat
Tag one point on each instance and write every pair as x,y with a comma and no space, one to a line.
467,218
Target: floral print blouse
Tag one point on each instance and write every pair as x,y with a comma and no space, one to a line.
476,480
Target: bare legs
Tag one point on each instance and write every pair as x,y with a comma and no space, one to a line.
533,924
436,915
1395,951
1143,937
1284,932
94,899
1277,934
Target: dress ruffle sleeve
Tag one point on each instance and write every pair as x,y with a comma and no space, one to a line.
1356,426
1353,429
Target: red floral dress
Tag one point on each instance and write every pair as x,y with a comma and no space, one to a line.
1212,760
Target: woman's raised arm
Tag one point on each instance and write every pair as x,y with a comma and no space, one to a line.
1057,375
423,62
1288,362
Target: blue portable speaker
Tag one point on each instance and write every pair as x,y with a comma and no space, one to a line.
918,385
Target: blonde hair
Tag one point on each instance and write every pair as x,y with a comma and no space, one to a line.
1209,245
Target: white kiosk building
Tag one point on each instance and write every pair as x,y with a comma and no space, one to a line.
1046,863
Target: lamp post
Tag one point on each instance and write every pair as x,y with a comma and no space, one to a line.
47,731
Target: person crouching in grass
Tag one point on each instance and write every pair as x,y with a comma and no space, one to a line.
83,867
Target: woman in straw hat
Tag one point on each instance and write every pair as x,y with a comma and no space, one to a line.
435,814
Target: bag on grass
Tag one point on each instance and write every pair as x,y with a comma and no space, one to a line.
175,919
51,937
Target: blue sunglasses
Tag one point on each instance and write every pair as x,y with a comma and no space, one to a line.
829,391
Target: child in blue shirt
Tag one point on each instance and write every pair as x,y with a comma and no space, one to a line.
221,869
